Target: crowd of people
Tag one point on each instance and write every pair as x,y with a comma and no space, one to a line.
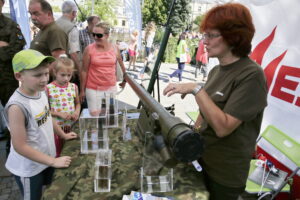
82,64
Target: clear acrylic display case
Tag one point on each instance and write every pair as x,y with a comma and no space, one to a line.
103,171
107,103
156,183
154,175
93,134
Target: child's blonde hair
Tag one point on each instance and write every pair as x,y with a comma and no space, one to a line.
63,62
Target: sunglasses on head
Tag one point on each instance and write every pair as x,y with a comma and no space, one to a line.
98,35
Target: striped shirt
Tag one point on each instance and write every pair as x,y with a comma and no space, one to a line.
85,38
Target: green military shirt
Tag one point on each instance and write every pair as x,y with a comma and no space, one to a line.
239,89
10,32
49,39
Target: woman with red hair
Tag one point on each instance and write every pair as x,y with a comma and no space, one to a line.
231,103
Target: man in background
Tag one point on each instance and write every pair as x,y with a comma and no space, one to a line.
66,23
11,42
85,35
50,40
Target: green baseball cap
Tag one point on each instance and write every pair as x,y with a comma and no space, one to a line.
29,59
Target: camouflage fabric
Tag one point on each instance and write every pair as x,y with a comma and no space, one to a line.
77,181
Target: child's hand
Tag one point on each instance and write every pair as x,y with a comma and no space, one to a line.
65,116
75,116
61,162
69,136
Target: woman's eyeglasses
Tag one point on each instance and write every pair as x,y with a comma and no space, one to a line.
98,35
210,36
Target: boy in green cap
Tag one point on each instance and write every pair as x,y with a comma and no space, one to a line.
32,154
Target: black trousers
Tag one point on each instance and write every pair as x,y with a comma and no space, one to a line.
221,192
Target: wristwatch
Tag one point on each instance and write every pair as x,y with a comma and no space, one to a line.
196,89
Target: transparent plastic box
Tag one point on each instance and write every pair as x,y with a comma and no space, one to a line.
93,134
103,171
154,175
112,110
156,183
94,139
105,104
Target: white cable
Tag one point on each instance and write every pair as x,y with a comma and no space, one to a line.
264,179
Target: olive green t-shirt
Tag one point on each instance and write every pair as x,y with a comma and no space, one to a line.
239,89
49,39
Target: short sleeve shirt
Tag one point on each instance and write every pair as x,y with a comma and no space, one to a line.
239,89
74,41
49,39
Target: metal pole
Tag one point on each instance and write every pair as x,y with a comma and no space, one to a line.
80,10
93,4
164,42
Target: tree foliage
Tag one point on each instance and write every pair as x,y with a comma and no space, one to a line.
105,9
158,10
180,19
197,21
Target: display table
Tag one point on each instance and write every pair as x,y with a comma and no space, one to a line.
77,181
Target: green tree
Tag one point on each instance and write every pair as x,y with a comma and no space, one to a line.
197,21
56,9
158,10
105,9
180,19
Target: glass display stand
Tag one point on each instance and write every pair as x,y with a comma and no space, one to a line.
102,180
92,131
107,104
154,176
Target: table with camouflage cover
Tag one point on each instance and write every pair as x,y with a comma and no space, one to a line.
77,181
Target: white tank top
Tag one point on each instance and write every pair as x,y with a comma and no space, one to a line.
39,130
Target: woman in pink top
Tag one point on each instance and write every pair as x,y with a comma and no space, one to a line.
98,74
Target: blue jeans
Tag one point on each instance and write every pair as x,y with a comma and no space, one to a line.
179,70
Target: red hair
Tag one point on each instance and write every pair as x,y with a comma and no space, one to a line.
234,22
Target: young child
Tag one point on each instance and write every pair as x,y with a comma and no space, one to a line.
63,97
32,153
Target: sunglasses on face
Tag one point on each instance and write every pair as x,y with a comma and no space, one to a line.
98,35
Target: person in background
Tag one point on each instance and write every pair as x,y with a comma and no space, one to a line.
63,97
50,40
98,75
32,155
11,42
201,60
132,49
123,50
66,23
86,38
85,35
180,49
149,37
231,103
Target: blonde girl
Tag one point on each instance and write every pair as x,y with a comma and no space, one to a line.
63,97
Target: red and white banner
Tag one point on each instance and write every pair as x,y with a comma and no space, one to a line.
276,47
